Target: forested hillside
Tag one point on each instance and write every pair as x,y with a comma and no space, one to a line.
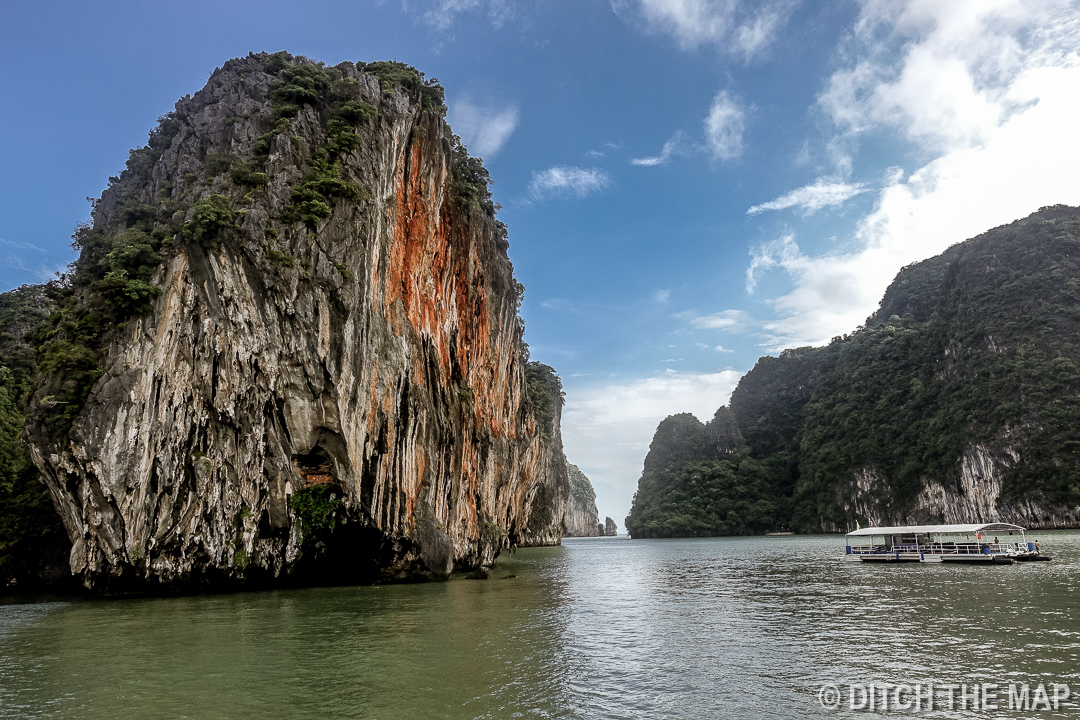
957,401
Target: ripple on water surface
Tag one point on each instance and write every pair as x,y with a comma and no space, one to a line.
600,628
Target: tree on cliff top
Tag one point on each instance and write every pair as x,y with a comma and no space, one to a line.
545,393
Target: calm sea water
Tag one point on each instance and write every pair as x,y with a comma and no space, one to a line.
599,628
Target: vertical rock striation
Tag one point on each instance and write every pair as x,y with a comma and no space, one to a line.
330,384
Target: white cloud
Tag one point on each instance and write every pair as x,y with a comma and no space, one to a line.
563,181
990,90
483,129
675,146
721,348
724,127
729,320
740,28
811,198
944,72
607,429
661,296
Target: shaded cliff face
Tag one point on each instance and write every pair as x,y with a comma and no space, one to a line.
329,384
581,518
33,543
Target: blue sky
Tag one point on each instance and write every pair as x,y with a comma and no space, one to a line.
688,184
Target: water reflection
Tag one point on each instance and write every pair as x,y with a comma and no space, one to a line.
600,628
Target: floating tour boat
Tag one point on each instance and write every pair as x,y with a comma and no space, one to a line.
996,543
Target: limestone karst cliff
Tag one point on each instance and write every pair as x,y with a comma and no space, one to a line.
958,401
290,349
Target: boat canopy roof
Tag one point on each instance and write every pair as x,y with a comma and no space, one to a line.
925,529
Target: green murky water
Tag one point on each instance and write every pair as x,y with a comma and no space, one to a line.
599,628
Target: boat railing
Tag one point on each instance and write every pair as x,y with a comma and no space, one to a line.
941,548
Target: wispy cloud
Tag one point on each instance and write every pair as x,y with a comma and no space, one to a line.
26,262
675,146
739,28
783,252
21,245
661,296
724,127
990,91
721,348
730,320
568,181
484,129
811,198
443,14
607,428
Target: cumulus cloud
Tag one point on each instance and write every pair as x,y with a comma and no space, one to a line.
484,129
563,181
724,127
740,28
990,92
675,146
607,428
811,198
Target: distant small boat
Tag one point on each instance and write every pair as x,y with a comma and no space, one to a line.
778,534
942,543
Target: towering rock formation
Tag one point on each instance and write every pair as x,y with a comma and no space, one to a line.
581,519
610,528
290,351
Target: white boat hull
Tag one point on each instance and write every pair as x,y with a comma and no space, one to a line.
971,558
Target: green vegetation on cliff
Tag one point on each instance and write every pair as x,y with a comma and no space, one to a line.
545,394
31,536
580,487
978,346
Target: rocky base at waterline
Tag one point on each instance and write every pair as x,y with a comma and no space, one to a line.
289,351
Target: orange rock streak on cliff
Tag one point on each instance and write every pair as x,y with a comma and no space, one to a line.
431,270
